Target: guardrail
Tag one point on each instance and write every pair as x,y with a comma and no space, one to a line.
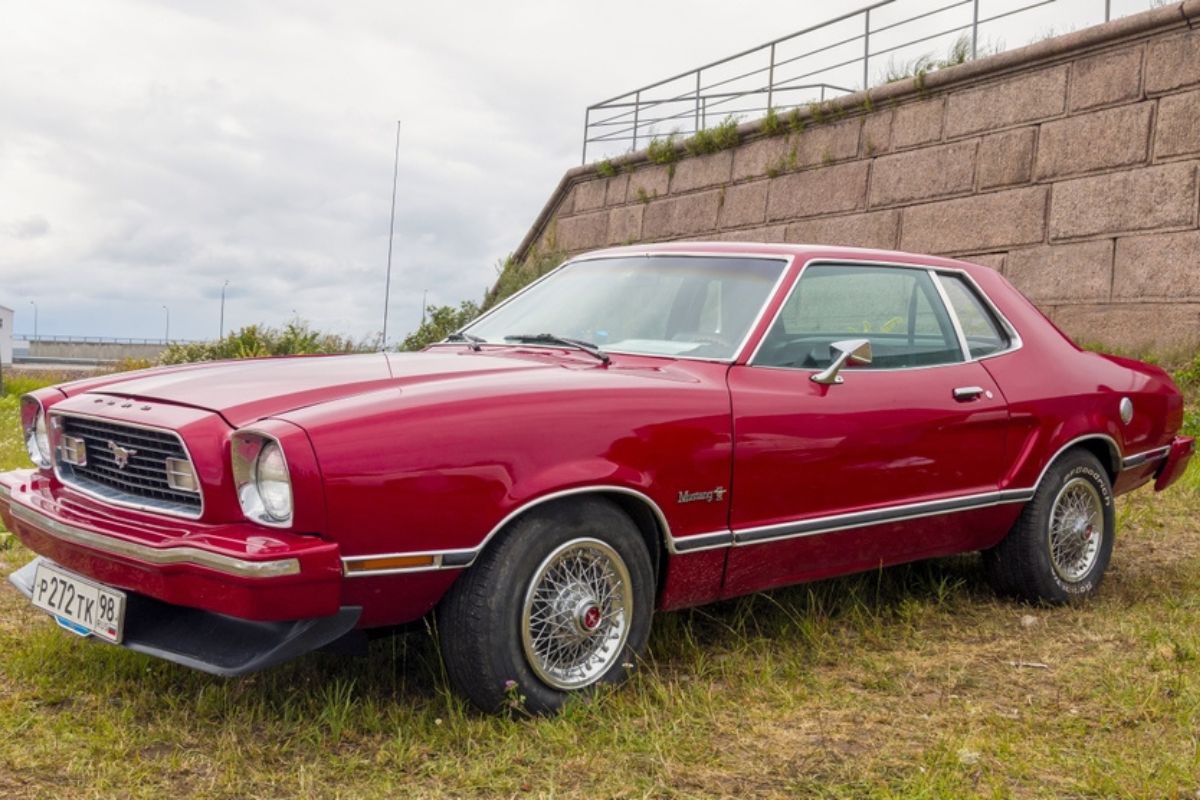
43,337
811,65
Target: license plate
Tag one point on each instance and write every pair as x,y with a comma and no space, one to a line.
79,605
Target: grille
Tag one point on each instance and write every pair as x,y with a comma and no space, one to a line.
143,479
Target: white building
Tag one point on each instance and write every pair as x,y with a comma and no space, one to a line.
6,335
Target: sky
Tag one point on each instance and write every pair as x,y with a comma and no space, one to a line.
152,151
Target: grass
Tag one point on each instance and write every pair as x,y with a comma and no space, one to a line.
908,682
959,52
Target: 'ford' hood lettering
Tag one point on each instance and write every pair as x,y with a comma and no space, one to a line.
248,390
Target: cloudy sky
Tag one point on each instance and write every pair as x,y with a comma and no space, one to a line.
150,151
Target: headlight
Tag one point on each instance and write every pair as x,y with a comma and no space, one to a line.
271,479
263,486
37,435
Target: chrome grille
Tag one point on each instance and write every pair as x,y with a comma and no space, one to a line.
142,481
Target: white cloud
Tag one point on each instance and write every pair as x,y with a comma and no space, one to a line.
149,151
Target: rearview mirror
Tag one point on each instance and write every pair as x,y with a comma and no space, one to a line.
850,351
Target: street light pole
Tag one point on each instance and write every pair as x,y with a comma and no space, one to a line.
222,332
35,319
167,334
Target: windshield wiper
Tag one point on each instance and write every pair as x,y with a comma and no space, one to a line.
472,340
550,338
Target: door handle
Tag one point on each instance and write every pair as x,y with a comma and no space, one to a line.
964,393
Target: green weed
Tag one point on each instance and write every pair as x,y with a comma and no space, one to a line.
711,140
663,151
772,125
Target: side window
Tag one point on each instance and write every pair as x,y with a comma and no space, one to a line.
984,333
898,309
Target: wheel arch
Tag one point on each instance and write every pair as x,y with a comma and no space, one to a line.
645,514
1101,445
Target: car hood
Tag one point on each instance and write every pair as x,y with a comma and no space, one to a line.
249,390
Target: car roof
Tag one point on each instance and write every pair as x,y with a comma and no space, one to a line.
801,252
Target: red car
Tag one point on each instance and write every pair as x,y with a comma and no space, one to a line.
644,428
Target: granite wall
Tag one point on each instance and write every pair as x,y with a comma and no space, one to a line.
1069,165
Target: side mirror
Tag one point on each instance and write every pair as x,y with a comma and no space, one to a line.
850,351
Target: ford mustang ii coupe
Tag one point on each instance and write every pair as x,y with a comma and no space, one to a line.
644,428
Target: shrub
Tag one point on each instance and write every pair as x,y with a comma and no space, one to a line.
257,340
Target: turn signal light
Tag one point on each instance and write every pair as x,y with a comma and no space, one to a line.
390,562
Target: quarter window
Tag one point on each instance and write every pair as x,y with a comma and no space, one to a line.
979,325
899,310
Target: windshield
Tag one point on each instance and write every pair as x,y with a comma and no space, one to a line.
700,306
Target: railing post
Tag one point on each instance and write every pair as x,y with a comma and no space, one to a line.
866,48
637,106
975,30
696,122
771,78
587,117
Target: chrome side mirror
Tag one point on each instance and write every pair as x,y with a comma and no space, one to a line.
850,351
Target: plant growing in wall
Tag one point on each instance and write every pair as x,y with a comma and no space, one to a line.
712,140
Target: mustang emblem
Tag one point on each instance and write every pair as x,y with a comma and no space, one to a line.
712,495
121,455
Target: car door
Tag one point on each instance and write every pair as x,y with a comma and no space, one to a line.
900,460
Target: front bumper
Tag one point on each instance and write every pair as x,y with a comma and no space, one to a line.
1176,464
214,643
236,570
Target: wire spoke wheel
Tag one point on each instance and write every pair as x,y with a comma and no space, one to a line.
1076,530
576,616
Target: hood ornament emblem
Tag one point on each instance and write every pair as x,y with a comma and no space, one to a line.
121,455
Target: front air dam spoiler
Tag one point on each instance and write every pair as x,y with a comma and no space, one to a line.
211,642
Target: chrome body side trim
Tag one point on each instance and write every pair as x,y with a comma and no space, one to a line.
742,537
700,542
148,508
460,559
704,541
879,516
5,491
228,565
1138,459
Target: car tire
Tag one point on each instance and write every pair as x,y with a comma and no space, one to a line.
558,604
1061,544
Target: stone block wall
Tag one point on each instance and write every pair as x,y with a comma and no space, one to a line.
1070,165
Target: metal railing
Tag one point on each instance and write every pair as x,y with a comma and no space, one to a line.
808,66
44,337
